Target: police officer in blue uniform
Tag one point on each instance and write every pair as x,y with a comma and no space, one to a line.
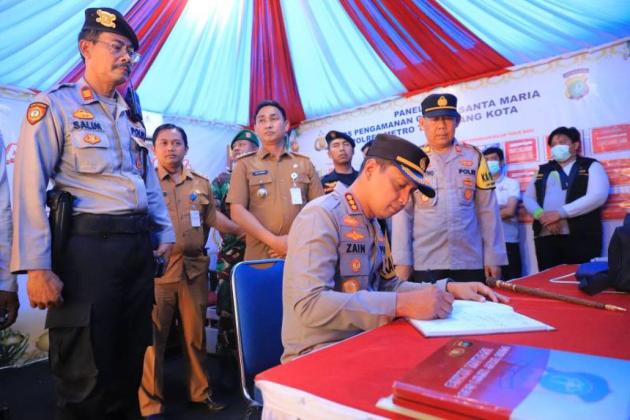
98,286
338,276
457,233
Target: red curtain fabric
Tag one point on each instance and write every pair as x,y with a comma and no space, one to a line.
153,21
272,74
422,43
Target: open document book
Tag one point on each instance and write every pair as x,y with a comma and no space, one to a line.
470,317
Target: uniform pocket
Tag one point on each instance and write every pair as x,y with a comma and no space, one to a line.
90,152
303,182
71,355
260,188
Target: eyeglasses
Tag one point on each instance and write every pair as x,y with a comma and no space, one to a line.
118,48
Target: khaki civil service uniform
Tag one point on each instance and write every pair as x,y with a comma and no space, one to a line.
262,184
182,288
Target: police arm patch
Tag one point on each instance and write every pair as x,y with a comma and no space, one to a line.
35,112
484,178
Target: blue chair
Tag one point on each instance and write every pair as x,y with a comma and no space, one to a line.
257,297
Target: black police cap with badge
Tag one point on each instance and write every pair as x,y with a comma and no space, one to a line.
109,20
440,105
245,134
333,135
406,156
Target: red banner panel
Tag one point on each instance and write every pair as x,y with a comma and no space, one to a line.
524,150
617,206
618,171
611,138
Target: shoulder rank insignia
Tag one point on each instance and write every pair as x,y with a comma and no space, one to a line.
82,114
351,202
35,112
244,155
86,93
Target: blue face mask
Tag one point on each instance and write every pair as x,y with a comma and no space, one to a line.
494,167
560,152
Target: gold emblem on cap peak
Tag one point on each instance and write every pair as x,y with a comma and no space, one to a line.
106,19
442,101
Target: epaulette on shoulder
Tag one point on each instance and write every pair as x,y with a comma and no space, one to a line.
61,86
300,155
244,155
200,175
470,146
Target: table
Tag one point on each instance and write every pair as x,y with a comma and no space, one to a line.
346,380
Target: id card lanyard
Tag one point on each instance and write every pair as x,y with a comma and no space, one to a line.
195,219
296,193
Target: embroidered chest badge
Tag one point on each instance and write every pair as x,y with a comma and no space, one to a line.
82,114
91,139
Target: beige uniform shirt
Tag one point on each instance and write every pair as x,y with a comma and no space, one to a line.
73,139
262,184
192,192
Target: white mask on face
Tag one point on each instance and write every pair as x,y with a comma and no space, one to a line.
494,167
560,152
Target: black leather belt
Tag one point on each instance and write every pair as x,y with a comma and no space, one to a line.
94,224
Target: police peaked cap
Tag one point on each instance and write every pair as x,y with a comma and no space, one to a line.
406,156
440,105
109,20
333,135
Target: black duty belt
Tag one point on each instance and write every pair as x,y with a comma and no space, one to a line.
94,224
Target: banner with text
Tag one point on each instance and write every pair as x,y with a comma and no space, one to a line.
516,111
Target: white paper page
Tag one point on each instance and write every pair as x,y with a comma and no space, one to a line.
469,318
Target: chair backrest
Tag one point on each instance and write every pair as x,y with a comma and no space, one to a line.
257,296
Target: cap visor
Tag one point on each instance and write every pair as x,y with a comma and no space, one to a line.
417,179
442,113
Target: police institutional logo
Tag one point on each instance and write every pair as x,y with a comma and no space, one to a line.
106,19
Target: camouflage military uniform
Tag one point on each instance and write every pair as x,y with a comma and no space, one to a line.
231,252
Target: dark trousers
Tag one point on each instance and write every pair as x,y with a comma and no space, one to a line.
514,268
431,276
99,334
566,249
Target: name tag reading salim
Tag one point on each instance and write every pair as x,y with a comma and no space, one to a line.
195,220
296,196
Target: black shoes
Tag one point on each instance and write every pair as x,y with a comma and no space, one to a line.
211,405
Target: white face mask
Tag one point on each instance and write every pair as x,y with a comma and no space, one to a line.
560,152
494,167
